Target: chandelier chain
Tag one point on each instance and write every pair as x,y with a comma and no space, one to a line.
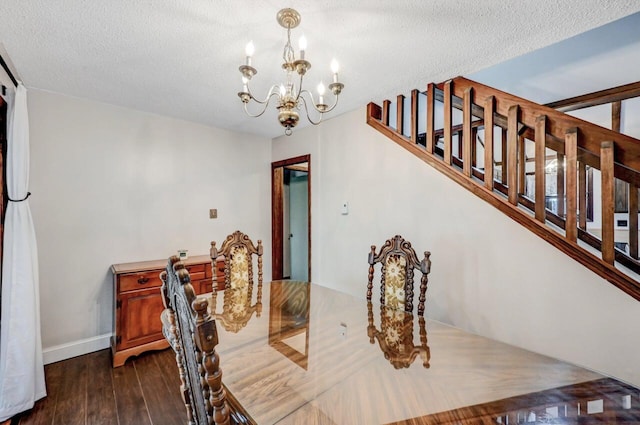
288,55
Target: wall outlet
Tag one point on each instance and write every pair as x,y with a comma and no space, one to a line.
213,213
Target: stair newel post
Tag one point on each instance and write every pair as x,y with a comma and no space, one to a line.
431,106
414,116
400,114
571,154
608,200
466,131
489,109
512,154
447,122
540,167
386,104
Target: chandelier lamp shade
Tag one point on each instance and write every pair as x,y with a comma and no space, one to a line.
290,95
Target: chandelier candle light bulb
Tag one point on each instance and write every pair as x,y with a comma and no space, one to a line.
291,97
249,50
321,90
335,67
302,43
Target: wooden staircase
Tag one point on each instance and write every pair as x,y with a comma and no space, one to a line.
531,150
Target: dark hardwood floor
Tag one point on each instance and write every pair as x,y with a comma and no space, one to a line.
86,390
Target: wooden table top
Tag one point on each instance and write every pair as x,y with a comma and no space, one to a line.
294,353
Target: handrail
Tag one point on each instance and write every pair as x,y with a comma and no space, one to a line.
577,143
601,97
627,158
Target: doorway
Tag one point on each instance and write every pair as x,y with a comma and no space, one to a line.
291,218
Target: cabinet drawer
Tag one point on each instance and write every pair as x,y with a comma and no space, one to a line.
133,281
202,286
197,272
220,268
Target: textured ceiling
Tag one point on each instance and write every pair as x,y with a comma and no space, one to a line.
180,58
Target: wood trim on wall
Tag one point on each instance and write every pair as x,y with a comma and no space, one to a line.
277,196
615,94
3,180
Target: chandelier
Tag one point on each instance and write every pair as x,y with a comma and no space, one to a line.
291,98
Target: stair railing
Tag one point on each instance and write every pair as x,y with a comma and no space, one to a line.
516,130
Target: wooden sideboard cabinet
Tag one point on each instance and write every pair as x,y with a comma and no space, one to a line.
138,303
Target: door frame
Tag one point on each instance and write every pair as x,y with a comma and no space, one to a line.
4,110
277,216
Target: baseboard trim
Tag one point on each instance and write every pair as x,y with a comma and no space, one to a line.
76,348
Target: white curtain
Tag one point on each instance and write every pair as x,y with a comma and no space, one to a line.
21,367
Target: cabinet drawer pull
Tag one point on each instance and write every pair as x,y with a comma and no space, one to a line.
143,280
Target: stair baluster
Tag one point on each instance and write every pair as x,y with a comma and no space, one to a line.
540,174
466,132
571,158
431,102
489,107
608,201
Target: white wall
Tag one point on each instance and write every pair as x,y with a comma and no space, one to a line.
113,185
489,275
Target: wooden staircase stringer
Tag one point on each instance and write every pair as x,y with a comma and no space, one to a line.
607,271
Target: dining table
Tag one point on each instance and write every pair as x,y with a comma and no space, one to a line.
301,353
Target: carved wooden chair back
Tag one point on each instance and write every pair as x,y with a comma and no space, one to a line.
192,334
395,336
238,251
398,260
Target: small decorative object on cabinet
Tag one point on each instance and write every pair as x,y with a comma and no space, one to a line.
138,303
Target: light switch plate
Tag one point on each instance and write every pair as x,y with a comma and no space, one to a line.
342,330
213,213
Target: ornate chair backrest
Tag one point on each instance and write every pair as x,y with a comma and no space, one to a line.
192,334
238,251
395,336
398,261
